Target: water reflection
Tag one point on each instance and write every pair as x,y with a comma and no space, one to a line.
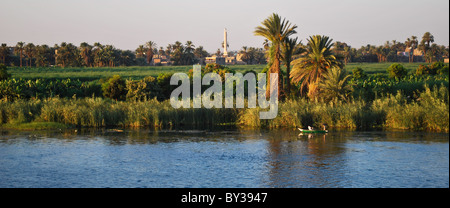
232,157
303,160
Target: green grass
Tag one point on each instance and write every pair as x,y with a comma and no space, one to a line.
373,68
131,72
139,72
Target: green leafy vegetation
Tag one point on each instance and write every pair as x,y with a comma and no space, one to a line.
98,85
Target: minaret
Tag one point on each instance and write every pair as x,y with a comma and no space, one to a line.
225,52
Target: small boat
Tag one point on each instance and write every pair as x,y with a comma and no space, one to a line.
312,131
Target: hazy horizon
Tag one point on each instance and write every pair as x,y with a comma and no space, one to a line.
128,24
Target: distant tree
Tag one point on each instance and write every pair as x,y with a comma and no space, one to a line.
4,52
411,43
67,54
177,55
347,54
19,49
218,52
149,46
29,51
127,58
425,44
200,54
169,49
140,51
86,53
189,53
161,51
109,55
244,54
41,54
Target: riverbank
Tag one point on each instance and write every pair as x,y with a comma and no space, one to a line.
429,111
32,126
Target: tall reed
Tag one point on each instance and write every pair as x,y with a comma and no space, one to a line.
428,110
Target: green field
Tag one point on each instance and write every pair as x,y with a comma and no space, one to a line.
372,68
139,72
132,72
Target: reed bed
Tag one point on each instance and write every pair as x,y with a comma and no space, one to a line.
99,112
429,110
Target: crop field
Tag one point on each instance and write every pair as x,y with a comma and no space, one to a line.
139,72
94,73
373,68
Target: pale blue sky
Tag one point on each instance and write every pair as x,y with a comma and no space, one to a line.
129,23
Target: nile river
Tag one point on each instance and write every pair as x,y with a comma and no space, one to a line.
223,158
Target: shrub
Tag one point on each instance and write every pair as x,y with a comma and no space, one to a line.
397,71
443,71
422,70
144,89
358,73
438,68
115,88
163,81
4,73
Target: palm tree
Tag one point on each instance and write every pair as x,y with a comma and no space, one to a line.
98,54
161,51
150,45
408,44
140,51
169,49
347,54
414,44
276,30
425,44
244,54
29,51
67,54
310,68
289,48
177,55
334,85
40,55
85,53
4,52
189,52
411,43
19,50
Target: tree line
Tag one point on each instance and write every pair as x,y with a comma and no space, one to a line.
317,66
99,55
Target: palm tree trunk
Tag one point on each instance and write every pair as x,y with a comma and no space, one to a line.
20,58
288,84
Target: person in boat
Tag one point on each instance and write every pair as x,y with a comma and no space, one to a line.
324,127
310,128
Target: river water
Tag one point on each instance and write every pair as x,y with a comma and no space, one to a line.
223,158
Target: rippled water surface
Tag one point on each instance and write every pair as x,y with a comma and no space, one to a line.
231,158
